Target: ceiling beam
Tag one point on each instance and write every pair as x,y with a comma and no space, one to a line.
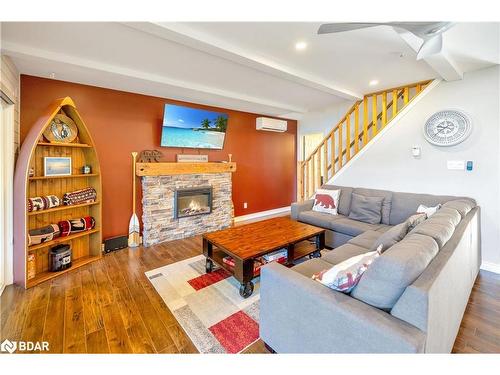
24,51
183,34
441,62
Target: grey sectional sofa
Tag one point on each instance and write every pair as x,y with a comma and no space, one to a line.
410,300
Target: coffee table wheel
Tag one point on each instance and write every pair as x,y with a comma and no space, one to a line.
246,289
316,254
209,266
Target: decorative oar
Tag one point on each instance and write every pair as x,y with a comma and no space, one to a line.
134,239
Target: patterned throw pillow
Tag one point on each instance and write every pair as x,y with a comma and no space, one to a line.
422,209
344,276
326,201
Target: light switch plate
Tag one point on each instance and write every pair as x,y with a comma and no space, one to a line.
458,165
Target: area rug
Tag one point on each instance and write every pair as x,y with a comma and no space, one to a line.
208,306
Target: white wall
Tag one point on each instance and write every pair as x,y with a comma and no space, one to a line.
320,121
387,163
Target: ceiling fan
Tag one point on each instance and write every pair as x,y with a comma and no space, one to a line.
429,32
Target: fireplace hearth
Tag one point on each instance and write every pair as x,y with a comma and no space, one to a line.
192,201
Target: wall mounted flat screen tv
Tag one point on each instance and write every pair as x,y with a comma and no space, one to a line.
193,128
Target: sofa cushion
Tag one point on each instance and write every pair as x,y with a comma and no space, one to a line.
463,206
311,267
441,229
342,253
383,228
389,275
366,209
350,227
344,276
344,199
449,214
366,239
415,220
386,203
391,237
319,219
405,204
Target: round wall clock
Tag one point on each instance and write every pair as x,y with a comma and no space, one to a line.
447,128
61,129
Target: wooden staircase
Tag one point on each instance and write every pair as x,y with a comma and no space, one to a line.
362,122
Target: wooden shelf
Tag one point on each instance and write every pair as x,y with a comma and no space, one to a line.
47,275
56,144
70,176
169,169
61,208
59,240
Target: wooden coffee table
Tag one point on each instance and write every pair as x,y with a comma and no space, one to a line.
246,242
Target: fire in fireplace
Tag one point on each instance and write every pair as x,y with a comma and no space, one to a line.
192,201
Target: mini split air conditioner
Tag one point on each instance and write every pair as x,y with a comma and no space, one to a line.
271,124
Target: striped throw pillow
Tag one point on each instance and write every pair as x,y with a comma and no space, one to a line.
344,276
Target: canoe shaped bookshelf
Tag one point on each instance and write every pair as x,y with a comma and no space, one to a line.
85,246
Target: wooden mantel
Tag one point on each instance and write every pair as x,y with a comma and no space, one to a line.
168,169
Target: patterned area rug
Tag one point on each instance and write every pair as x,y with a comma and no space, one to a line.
208,306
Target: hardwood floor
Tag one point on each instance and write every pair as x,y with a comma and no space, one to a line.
109,306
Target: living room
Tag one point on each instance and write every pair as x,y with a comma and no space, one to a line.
250,186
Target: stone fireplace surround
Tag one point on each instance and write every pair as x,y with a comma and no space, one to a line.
158,192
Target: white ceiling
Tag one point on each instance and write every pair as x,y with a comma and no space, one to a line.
246,66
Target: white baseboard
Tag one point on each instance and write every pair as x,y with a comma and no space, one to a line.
491,267
260,214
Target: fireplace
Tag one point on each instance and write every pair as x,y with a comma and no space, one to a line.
192,201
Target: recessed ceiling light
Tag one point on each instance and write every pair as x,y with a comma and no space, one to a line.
300,46
373,82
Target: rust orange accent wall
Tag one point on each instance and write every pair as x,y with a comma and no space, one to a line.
122,122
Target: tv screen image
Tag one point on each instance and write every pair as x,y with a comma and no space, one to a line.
193,128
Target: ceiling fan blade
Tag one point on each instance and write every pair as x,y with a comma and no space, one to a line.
430,47
329,28
424,30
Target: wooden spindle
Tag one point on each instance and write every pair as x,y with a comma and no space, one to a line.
365,120
418,88
374,115
394,103
340,145
384,109
332,156
312,172
300,181
325,161
318,171
356,128
406,95
348,138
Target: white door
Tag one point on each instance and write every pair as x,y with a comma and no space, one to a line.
6,182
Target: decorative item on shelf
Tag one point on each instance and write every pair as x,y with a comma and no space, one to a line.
82,224
134,239
43,203
31,266
150,156
44,234
59,258
31,172
185,158
61,129
56,166
86,169
447,128
87,195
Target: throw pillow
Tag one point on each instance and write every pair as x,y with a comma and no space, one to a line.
422,209
345,275
326,201
366,209
414,220
391,237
